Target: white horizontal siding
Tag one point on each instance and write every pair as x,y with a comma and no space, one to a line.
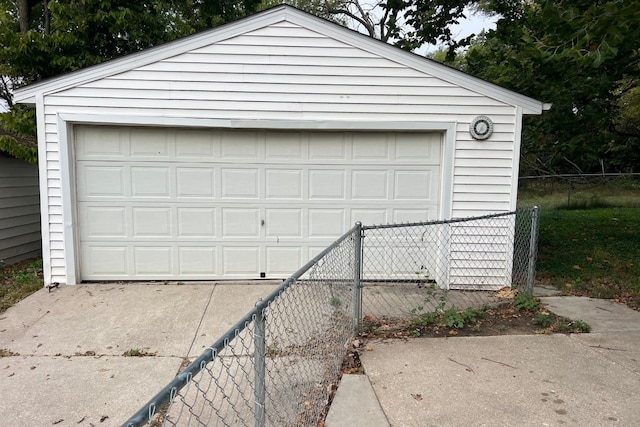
436,88
128,95
481,253
307,108
19,210
286,72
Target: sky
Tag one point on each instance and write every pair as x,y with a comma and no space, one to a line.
474,24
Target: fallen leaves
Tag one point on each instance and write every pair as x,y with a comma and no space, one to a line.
417,396
506,293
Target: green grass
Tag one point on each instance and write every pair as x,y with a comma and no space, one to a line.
592,252
587,193
18,281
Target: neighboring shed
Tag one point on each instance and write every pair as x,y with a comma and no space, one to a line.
242,151
20,236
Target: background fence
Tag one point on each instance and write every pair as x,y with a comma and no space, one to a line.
277,365
579,191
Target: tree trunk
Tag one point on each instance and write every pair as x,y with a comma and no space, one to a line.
24,14
47,18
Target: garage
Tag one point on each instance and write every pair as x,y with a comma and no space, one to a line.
242,151
172,203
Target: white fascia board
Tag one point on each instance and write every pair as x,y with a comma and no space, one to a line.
27,94
269,17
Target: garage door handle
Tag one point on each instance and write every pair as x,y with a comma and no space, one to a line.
262,222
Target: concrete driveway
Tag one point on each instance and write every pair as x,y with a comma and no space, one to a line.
63,350
63,362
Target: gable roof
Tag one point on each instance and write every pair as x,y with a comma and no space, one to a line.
28,94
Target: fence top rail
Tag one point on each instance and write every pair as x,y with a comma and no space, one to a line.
145,413
580,175
446,221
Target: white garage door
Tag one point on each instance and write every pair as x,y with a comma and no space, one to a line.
195,204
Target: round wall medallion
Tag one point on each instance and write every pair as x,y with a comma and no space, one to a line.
481,127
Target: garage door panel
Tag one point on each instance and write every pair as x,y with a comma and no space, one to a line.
240,183
150,143
195,182
284,146
108,143
152,222
283,223
414,185
239,222
327,184
101,181
327,146
368,146
103,221
417,148
111,261
369,185
239,145
240,261
283,184
195,145
283,260
197,261
196,222
153,261
150,181
326,223
157,204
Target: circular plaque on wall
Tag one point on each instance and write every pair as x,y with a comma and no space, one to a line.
481,127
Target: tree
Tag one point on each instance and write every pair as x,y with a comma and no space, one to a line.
204,14
42,39
408,24
582,56
414,23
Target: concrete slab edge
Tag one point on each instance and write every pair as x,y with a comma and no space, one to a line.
356,404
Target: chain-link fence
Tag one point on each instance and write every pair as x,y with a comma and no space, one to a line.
580,191
276,366
437,265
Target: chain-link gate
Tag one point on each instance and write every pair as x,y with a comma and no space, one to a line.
277,364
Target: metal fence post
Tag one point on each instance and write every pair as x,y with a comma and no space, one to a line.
259,360
533,249
357,289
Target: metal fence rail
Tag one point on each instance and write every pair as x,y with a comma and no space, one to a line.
579,191
442,264
276,365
